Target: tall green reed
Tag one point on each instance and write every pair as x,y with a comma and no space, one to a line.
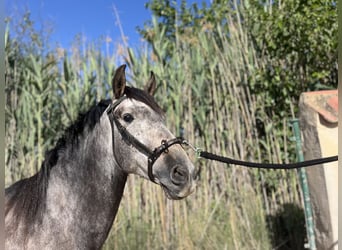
45,91
204,90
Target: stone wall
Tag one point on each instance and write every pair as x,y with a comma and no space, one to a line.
319,126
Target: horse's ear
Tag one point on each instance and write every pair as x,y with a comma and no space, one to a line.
119,81
151,85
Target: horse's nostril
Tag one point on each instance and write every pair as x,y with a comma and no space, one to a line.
179,175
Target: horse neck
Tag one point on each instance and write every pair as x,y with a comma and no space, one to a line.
86,187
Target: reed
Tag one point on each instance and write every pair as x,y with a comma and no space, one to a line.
204,90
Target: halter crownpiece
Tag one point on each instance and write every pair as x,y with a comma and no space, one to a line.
152,156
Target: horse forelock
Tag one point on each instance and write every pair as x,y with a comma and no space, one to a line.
144,97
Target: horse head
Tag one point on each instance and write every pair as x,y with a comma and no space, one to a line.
142,144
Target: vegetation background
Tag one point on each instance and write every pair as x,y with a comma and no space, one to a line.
230,75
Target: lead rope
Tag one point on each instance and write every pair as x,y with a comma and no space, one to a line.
214,157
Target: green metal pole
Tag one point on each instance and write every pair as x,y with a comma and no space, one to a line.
304,184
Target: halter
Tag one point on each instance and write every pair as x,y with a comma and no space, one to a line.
152,155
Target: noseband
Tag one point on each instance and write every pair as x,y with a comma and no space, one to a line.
152,155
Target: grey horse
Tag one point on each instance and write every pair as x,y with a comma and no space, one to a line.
72,201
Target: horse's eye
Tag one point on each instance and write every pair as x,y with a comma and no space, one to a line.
128,118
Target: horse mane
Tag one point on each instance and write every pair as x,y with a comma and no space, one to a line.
27,197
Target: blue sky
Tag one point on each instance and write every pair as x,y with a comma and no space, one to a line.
92,19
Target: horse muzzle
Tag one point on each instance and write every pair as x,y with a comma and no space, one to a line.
175,174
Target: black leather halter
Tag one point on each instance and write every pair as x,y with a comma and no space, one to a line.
152,155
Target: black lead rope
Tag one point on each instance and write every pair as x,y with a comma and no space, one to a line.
163,148
302,164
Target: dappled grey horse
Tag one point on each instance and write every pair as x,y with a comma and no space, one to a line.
72,201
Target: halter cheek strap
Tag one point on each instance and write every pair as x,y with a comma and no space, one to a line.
152,156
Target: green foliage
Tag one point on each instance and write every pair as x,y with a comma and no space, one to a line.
295,43
298,39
